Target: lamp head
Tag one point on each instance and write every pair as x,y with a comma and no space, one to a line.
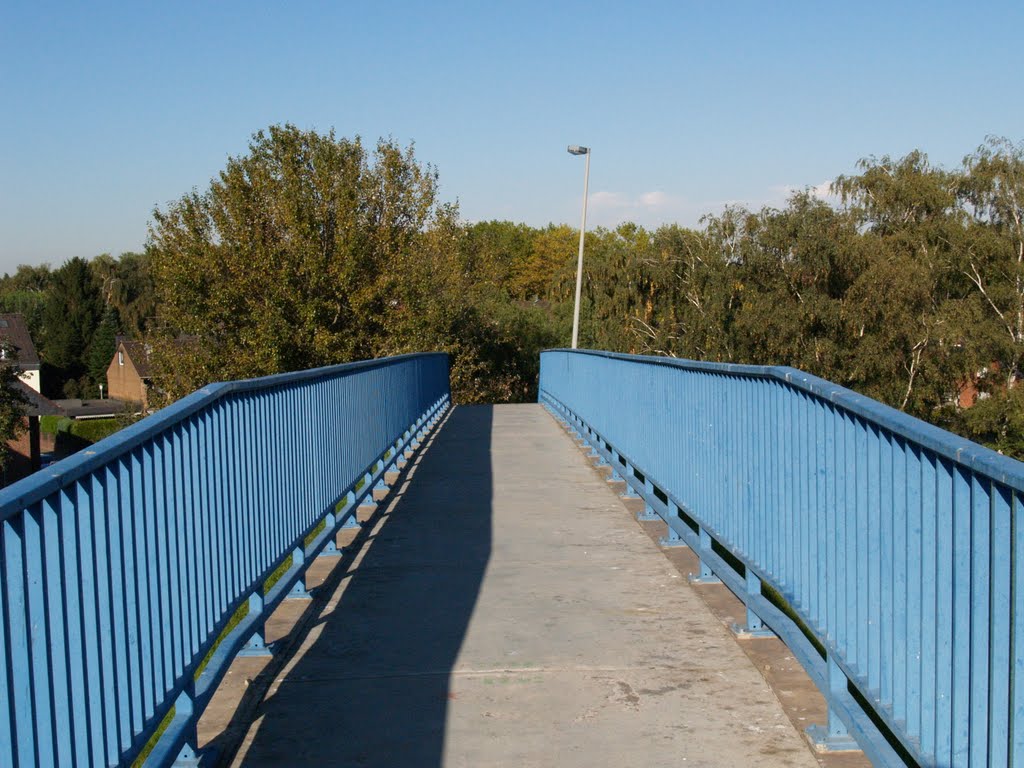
575,149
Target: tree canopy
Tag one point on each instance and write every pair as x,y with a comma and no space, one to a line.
310,249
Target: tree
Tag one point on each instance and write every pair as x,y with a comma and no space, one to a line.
293,257
103,345
73,310
908,306
12,404
992,259
126,285
25,292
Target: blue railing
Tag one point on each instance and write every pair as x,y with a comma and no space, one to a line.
132,573
896,543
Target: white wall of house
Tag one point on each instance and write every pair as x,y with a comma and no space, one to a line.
31,378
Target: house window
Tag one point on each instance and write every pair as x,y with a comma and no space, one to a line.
120,357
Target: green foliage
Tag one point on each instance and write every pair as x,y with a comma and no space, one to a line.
73,435
94,430
52,425
311,249
25,292
278,574
292,258
72,313
126,285
12,404
240,613
103,345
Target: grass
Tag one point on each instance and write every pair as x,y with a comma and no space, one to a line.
280,571
241,613
151,744
311,536
775,597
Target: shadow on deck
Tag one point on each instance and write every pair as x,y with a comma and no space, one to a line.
371,683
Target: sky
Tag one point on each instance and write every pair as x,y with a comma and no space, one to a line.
109,110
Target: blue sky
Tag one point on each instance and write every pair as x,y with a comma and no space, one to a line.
111,109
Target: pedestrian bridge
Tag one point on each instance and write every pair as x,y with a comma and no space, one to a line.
498,605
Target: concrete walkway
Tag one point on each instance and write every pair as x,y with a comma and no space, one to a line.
506,610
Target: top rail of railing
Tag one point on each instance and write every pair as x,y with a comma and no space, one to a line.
31,489
958,449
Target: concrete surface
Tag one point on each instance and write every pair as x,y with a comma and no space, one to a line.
503,609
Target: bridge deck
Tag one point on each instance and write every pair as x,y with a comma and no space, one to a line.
504,609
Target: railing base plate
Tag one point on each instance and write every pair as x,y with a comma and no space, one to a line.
331,549
694,578
742,633
190,758
824,742
298,592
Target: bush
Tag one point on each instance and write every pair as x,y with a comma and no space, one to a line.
75,435
51,425
94,430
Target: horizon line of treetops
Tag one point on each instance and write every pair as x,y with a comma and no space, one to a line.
311,250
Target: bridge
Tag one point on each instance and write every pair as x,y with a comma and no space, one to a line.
180,593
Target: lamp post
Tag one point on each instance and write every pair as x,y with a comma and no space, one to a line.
577,150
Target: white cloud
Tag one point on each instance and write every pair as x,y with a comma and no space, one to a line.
651,208
606,199
823,191
656,199
657,207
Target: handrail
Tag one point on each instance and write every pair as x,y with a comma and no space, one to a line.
894,542
132,572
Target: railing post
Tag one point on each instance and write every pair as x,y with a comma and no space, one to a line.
368,501
672,538
331,548
381,484
706,575
188,756
400,459
298,590
834,736
615,477
256,645
629,493
648,512
348,505
754,627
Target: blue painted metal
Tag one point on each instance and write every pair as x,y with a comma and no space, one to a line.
895,542
754,627
647,513
707,574
121,566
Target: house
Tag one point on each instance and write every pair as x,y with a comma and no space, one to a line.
128,375
16,340
978,387
16,347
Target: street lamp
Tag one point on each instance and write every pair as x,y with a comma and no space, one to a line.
577,150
